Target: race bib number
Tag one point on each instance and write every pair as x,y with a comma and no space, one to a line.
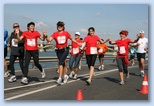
142,44
31,42
93,50
15,44
122,50
75,50
100,50
61,39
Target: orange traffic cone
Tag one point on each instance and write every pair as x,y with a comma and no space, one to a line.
79,95
144,89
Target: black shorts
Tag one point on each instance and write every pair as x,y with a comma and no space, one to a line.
101,56
5,52
140,55
132,57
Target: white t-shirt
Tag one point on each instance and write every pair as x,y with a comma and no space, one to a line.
143,43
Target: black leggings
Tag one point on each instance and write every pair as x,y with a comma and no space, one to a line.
91,59
121,65
12,60
35,55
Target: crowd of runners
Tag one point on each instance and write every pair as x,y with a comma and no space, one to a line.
24,46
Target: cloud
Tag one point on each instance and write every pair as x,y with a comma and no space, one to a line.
40,24
82,30
98,14
26,17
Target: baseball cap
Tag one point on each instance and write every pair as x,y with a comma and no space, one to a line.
141,31
77,33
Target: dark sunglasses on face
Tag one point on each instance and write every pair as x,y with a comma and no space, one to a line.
15,26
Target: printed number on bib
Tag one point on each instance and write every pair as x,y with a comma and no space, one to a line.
122,50
31,42
93,50
75,50
15,44
100,50
61,39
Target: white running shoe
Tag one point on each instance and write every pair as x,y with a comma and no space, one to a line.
71,74
99,68
103,67
65,78
75,76
43,73
88,81
79,67
59,80
122,83
58,71
7,74
12,79
142,74
24,80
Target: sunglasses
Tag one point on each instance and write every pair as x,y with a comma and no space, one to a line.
15,26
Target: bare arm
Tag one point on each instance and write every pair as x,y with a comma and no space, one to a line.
136,40
104,41
112,43
19,38
73,40
46,37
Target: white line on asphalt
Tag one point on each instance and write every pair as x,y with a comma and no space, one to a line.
46,88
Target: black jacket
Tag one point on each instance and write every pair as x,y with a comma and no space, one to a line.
17,49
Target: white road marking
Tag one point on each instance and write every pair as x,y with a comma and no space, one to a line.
46,88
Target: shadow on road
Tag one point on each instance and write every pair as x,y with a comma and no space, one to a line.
111,79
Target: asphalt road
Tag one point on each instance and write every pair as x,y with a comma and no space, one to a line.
105,85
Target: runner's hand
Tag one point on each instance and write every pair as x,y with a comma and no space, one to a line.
15,40
44,32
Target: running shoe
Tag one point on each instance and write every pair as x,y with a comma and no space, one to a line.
79,67
142,74
88,81
7,74
59,80
71,74
133,64
75,76
43,73
57,71
12,79
127,75
102,67
99,68
24,80
122,83
65,78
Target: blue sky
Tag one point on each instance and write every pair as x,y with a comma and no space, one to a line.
107,19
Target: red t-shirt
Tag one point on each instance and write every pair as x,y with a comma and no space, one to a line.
123,49
31,40
91,43
76,48
61,39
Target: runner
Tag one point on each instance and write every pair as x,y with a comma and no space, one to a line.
91,52
31,37
6,73
17,50
61,37
75,57
142,47
132,51
101,52
122,54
